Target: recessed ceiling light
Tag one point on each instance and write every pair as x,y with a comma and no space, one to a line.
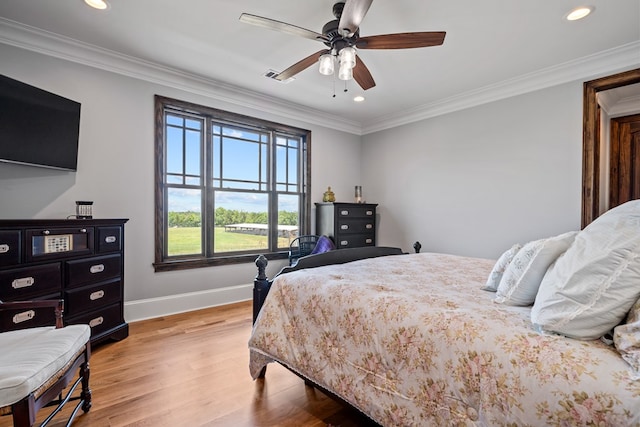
579,13
358,98
97,4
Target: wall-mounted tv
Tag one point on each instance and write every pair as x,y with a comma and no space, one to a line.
37,127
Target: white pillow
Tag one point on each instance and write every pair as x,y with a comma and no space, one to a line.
626,338
588,291
521,280
500,266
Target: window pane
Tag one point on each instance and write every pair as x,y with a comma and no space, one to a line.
293,166
240,160
241,221
192,151
241,133
281,164
174,120
193,124
264,169
185,222
288,219
174,150
175,179
217,157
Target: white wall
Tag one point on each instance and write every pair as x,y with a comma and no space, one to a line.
115,170
476,181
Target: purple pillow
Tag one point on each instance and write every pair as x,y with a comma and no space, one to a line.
324,244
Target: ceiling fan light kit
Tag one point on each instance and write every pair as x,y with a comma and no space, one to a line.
326,64
342,37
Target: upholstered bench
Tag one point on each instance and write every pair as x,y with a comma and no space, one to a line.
37,364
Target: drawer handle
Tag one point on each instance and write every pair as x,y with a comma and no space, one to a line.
110,239
344,212
23,282
369,213
344,227
96,295
344,242
368,226
98,268
24,316
46,232
83,230
369,241
4,248
97,321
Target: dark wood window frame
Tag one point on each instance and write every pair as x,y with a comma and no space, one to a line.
163,263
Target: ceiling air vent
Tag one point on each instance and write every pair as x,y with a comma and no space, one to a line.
272,74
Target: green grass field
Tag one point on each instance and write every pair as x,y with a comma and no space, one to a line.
186,241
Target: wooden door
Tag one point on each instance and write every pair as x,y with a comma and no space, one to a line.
624,171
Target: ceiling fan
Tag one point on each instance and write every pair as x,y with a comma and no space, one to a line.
341,36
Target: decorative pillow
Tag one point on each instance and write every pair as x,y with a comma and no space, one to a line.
521,280
500,267
626,338
324,244
590,289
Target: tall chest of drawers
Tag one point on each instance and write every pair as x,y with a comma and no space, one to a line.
350,225
78,260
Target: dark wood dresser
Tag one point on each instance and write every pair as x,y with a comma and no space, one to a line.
350,225
78,260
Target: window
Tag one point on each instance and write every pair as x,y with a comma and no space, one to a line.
228,186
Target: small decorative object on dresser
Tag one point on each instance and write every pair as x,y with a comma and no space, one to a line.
328,196
358,194
84,209
350,225
78,260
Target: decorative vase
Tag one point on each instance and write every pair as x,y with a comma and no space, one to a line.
328,196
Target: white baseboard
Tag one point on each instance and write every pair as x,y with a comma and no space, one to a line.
163,306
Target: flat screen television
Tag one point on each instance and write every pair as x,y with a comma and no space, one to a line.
37,127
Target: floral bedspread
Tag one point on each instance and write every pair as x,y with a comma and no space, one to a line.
412,340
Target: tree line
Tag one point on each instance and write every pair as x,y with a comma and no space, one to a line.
229,216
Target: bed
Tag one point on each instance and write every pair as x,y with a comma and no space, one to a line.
418,340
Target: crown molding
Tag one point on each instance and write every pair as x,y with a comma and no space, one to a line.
34,39
589,67
47,43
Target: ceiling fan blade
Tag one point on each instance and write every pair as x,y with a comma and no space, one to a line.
402,40
362,75
301,65
283,27
352,15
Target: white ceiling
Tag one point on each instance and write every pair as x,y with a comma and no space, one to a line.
488,42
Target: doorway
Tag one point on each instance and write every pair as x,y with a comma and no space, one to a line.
624,160
591,147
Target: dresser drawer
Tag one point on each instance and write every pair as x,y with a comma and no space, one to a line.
355,226
23,283
355,241
10,249
93,270
92,297
100,320
11,320
109,239
355,212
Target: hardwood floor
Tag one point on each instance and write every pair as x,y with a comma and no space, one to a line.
191,369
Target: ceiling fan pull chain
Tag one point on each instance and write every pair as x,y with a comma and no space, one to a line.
334,85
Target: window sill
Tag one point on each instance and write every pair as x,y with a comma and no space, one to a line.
187,264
